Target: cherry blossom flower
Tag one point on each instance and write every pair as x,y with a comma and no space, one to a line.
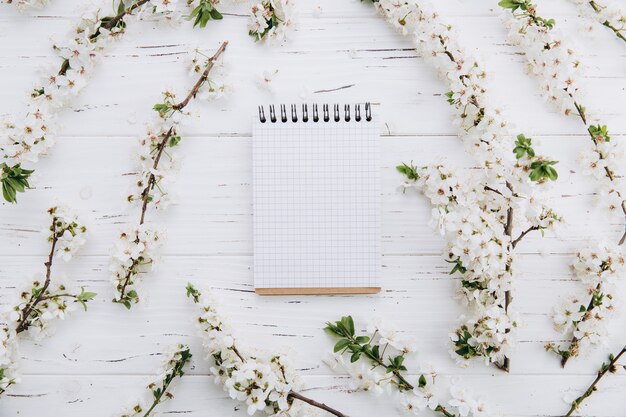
476,213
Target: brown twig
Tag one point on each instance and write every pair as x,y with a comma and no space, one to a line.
316,404
145,194
592,388
28,308
521,236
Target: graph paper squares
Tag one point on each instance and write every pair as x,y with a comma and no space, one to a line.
316,204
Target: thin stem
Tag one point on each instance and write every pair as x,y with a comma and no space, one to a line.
574,342
316,404
145,194
508,230
202,79
129,274
618,32
441,409
521,236
579,109
177,371
488,188
28,308
592,388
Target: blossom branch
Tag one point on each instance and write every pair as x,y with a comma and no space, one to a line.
606,368
40,303
550,59
135,252
23,323
609,15
383,354
25,139
161,389
265,381
501,179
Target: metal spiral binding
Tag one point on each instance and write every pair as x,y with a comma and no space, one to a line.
315,117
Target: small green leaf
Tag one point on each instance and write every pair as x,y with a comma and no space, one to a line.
409,171
340,345
174,141
162,109
362,339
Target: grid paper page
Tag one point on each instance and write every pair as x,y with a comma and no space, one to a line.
316,205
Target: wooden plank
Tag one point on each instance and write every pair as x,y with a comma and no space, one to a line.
316,291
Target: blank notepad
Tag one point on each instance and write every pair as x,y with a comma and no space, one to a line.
316,202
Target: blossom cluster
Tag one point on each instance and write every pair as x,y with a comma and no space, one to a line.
24,139
135,253
476,215
160,390
23,5
216,86
558,69
42,301
262,381
271,20
377,364
606,13
599,267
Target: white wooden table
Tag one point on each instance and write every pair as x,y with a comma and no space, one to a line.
341,52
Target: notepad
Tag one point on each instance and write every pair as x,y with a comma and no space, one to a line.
316,200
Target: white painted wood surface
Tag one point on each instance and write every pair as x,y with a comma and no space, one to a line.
341,52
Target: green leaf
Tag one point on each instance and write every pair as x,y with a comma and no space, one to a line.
599,133
340,345
332,330
203,13
510,4
543,169
408,171
14,180
85,297
215,15
355,357
174,141
350,324
162,109
422,381
523,146
362,339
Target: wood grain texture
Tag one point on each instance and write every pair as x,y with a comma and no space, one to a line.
340,52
